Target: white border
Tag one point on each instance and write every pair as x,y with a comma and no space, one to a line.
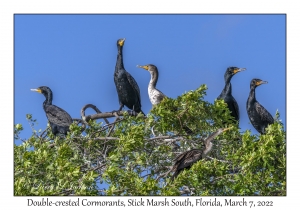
9,8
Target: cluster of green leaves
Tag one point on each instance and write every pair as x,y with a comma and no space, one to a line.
251,165
52,166
137,158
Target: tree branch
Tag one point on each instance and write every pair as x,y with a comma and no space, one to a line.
95,116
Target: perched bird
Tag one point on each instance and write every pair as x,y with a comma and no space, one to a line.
58,118
188,158
226,93
259,117
127,88
155,95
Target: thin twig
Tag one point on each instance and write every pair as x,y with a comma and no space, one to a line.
113,126
41,136
101,138
105,127
223,161
32,128
163,175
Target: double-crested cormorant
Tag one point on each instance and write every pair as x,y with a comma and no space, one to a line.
259,117
58,118
188,158
155,95
226,93
127,88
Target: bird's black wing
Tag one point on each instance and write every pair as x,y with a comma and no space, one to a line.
134,85
264,114
236,109
187,158
58,116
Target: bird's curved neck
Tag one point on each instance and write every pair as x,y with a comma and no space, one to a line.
252,95
227,88
208,148
153,80
48,100
119,64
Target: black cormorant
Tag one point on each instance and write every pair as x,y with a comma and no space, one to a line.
58,118
226,93
188,158
259,117
127,88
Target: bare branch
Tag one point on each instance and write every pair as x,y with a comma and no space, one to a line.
87,118
99,114
113,126
41,136
220,177
97,168
163,175
105,138
223,161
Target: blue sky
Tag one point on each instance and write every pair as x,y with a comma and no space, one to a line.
75,56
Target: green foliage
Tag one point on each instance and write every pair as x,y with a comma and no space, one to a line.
51,167
136,158
256,167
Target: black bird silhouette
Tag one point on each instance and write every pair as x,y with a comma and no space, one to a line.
259,117
58,118
226,93
127,88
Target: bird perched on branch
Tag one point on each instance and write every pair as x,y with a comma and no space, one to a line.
155,95
226,93
259,117
188,158
127,88
58,118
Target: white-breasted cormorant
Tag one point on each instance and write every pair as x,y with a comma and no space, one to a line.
155,95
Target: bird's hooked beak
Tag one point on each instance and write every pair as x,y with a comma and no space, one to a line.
260,83
238,70
121,42
36,90
143,67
